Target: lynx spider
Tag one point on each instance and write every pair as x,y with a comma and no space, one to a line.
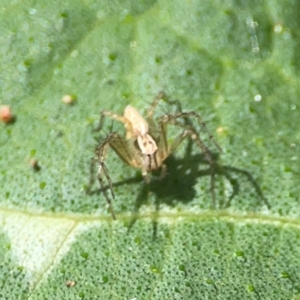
145,147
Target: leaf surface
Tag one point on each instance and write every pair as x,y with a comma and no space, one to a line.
236,63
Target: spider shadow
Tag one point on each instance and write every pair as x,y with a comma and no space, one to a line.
179,184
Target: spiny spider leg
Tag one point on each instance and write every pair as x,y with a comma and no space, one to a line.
113,116
163,143
120,145
103,168
190,131
158,98
168,119
150,111
100,155
100,179
100,124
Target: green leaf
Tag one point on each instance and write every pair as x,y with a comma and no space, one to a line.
236,64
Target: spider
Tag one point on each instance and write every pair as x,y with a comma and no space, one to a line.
145,144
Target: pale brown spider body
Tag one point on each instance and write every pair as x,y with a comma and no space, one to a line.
145,143
148,158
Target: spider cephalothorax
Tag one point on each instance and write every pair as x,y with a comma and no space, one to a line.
145,144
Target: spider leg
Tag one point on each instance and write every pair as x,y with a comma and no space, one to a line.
150,111
100,154
113,116
190,131
158,98
169,119
152,124
123,150
103,168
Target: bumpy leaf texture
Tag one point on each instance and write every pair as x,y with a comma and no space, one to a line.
236,63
